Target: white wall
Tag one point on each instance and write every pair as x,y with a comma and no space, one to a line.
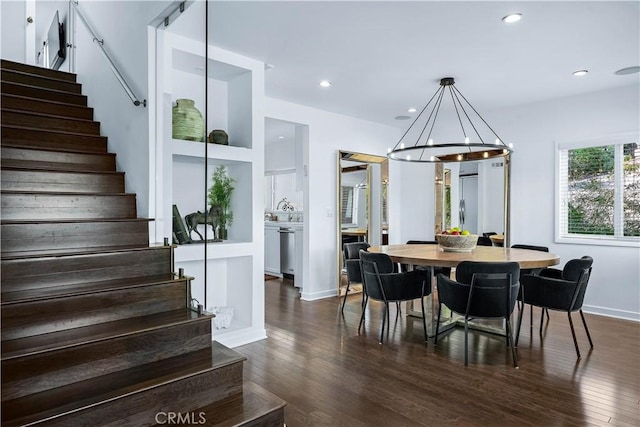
13,30
328,133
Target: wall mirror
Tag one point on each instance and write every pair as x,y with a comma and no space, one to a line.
473,196
362,213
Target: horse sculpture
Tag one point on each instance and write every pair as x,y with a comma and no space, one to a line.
192,220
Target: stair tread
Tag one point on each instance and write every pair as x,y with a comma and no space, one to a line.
46,101
17,143
62,193
253,403
121,384
34,294
40,76
72,220
48,169
64,132
66,252
51,116
58,91
87,334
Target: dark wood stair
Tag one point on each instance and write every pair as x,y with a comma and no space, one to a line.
97,328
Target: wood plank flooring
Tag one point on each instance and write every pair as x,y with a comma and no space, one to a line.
331,376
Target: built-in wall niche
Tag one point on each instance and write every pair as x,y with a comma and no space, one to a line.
190,192
220,272
229,94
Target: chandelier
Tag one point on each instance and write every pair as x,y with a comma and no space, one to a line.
478,141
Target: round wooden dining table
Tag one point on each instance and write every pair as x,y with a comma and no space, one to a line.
434,256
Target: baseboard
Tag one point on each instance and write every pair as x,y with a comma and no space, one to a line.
241,338
611,312
312,296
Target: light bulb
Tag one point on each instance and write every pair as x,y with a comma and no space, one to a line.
393,156
485,155
412,110
511,18
408,157
466,139
497,141
459,156
511,145
388,150
430,141
401,145
325,83
432,158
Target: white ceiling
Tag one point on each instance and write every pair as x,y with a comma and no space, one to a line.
386,56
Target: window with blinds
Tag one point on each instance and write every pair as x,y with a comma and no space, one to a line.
347,205
599,191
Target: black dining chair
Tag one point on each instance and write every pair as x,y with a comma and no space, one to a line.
481,290
524,271
484,241
561,290
381,283
352,265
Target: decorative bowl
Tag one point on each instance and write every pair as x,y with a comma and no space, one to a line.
457,243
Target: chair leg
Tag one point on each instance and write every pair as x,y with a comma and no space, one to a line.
364,305
573,333
424,321
346,292
435,339
466,341
520,314
584,322
398,310
541,318
510,341
384,318
531,318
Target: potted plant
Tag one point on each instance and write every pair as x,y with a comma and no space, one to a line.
220,197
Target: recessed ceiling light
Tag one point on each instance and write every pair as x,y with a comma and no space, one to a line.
511,18
628,70
580,73
412,110
280,137
402,117
325,83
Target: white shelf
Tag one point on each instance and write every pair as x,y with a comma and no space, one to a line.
222,154
217,250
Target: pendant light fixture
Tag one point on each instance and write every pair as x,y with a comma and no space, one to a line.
477,141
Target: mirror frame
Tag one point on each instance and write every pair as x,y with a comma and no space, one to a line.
367,159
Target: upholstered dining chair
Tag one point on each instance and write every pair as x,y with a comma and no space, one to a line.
481,290
524,271
484,241
352,265
381,283
561,290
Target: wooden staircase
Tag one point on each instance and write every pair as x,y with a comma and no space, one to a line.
96,326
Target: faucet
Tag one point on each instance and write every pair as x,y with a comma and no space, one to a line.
286,205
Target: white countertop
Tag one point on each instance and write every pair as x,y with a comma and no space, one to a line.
295,224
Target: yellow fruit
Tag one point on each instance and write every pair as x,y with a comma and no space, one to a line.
465,233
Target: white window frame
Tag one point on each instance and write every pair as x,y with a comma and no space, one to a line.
618,239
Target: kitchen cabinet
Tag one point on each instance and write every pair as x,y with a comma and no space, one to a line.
299,245
228,273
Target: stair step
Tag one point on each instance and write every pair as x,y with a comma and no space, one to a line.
54,206
32,69
50,316
33,158
20,237
116,400
34,294
23,274
255,406
43,180
22,77
40,372
49,122
19,136
23,103
43,93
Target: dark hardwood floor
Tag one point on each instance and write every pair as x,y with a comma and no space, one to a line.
331,376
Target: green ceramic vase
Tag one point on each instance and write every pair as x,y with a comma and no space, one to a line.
187,121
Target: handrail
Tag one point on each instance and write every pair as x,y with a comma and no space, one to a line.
100,43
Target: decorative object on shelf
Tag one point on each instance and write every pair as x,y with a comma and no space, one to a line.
220,197
212,218
429,149
223,318
218,136
180,235
285,205
187,121
457,243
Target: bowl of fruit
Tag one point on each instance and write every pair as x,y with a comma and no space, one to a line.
456,240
